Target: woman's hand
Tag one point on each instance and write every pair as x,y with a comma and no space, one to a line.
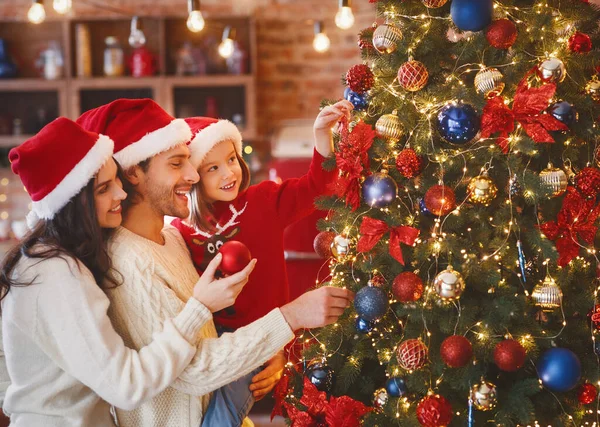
217,294
265,380
326,119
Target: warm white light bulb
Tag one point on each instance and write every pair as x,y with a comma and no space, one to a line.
344,18
226,48
62,6
321,42
195,21
36,13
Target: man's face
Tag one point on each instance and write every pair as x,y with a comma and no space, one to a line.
168,181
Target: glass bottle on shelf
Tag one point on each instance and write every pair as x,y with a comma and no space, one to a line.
51,62
113,58
83,50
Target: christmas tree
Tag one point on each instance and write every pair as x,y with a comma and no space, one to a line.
464,218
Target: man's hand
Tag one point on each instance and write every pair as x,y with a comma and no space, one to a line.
264,381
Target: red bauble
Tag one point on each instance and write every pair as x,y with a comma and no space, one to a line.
456,351
413,76
236,256
587,182
594,317
409,163
322,244
587,393
377,280
440,200
434,411
509,355
580,43
502,33
407,287
412,354
360,78
365,38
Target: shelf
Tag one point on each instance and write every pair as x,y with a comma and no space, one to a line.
31,85
210,80
115,82
13,140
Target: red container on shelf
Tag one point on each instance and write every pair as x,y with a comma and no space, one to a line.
142,63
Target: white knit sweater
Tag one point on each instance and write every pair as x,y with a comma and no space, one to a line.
66,361
157,279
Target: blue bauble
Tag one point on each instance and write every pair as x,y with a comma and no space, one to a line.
371,303
424,209
360,101
471,15
396,387
564,112
379,190
559,369
364,326
320,375
458,123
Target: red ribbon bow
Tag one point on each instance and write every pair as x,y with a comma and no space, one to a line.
528,109
372,230
575,221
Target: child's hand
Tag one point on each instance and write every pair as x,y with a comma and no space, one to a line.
265,380
326,119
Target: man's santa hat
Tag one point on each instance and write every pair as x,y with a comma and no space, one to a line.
208,132
140,128
57,163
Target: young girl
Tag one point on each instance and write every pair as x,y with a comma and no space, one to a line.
223,208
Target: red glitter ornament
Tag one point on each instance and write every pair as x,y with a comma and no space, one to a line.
412,354
365,38
413,76
502,34
407,287
594,317
509,355
434,411
440,200
360,78
587,182
587,394
236,256
322,244
456,351
580,43
409,163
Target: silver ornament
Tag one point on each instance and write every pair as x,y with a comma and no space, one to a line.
449,284
390,127
552,70
555,179
380,398
482,190
340,248
547,295
386,38
592,88
483,396
489,82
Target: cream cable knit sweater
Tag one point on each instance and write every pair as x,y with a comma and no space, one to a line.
66,361
157,279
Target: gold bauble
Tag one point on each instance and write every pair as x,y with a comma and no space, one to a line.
555,179
592,88
449,284
340,248
433,4
386,38
483,396
552,70
390,127
482,190
547,295
489,82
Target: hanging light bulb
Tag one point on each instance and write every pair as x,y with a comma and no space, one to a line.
195,21
344,18
321,42
227,46
137,38
62,6
37,13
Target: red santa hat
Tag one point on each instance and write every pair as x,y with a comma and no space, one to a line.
208,132
57,163
140,128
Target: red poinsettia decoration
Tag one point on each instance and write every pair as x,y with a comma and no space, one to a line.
344,411
575,221
279,394
528,109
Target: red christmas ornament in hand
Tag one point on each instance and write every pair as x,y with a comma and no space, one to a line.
409,163
456,351
407,287
360,78
440,200
580,43
502,33
434,411
322,244
587,182
236,256
509,355
587,394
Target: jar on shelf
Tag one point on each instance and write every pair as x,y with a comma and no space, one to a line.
51,62
113,58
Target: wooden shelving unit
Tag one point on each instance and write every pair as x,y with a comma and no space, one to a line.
25,96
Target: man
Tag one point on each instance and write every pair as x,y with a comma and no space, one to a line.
158,273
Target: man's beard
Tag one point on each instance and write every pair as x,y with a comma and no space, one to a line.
163,200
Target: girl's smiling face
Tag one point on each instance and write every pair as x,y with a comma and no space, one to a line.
221,173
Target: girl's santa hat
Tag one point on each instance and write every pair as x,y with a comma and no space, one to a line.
140,128
57,163
208,132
